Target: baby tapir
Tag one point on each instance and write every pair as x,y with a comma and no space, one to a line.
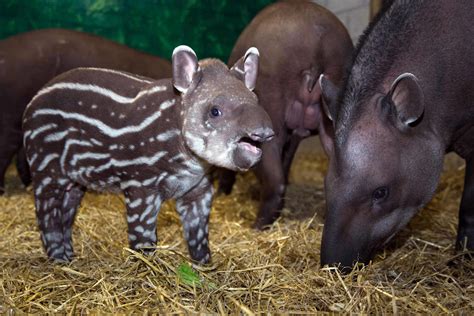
29,60
299,41
106,130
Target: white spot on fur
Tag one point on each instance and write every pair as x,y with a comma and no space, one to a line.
135,203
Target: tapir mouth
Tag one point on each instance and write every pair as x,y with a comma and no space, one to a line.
250,145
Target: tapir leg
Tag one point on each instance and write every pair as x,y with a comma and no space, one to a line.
226,180
272,182
6,156
288,154
465,238
194,209
56,207
22,167
142,212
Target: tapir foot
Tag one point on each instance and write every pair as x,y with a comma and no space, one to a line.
201,255
466,242
58,246
26,180
264,222
459,258
2,190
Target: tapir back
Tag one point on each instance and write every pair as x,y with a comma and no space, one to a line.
87,119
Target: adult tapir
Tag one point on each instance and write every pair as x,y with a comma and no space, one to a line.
298,41
29,60
408,100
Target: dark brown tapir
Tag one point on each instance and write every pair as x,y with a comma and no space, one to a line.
298,41
29,60
408,100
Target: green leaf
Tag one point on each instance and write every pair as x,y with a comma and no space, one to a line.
188,276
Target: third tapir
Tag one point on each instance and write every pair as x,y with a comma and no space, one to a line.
298,41
409,99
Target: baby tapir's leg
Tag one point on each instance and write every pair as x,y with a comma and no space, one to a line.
194,209
142,211
22,167
56,207
465,237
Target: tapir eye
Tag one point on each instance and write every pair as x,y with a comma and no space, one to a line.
215,112
380,194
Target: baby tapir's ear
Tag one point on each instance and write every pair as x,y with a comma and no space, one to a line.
246,68
329,92
185,66
407,98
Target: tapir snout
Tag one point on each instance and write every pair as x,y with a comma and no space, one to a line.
344,252
345,241
260,127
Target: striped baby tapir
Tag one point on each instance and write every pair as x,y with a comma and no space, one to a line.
107,130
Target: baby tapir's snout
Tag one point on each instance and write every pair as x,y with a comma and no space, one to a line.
258,129
262,134
259,125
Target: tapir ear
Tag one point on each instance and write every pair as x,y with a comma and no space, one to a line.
329,92
246,68
407,98
185,65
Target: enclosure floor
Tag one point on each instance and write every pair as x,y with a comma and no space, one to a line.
272,271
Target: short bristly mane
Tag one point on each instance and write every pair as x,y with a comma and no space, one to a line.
382,43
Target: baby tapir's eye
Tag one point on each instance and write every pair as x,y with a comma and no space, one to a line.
215,112
380,194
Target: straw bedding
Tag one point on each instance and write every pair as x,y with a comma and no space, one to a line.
252,272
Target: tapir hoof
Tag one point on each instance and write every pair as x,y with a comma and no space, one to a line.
266,218
2,190
263,223
224,189
61,259
26,181
458,260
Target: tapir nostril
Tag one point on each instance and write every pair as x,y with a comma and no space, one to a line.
262,135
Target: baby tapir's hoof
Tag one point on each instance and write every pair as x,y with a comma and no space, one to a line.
202,255
57,248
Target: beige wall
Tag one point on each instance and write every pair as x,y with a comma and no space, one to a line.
353,13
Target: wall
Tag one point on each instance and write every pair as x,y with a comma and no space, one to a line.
353,13
210,27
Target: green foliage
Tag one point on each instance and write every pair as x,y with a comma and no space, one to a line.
210,27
